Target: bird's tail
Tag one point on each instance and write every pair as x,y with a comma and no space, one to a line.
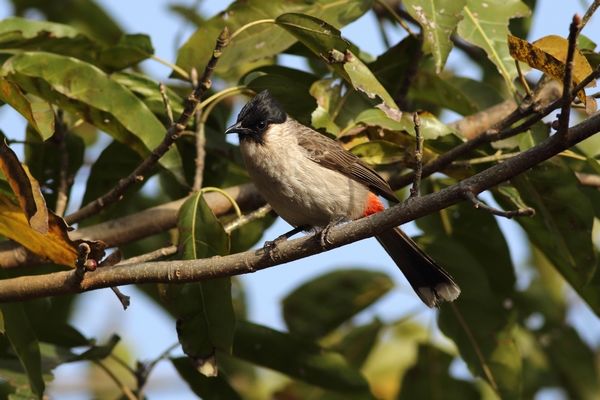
430,281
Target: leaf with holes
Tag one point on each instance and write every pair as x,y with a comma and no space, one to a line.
485,24
438,19
549,55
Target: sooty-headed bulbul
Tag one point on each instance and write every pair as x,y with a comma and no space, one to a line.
311,181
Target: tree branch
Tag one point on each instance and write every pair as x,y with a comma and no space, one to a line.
503,131
567,96
28,287
139,225
172,134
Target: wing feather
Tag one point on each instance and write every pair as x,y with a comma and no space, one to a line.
332,155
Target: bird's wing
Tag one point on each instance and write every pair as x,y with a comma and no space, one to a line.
332,155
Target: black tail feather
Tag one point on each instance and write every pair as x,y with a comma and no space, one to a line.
430,281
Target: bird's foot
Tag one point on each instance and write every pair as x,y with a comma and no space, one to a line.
324,234
270,246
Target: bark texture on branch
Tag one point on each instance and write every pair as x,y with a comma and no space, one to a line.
250,261
139,225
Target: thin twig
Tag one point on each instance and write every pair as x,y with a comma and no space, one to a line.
502,131
171,136
395,16
383,33
151,256
521,212
127,392
177,69
567,97
144,370
247,218
113,259
415,191
588,14
123,298
200,137
499,156
63,174
163,94
484,366
522,79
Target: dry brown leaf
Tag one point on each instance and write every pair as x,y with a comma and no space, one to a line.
558,47
547,62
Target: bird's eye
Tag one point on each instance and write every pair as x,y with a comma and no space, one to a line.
261,125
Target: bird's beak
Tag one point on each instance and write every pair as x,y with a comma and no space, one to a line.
235,128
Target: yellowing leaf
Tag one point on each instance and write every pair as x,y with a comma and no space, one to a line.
29,222
558,46
25,188
54,245
551,62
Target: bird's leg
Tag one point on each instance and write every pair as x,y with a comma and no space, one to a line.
270,245
325,231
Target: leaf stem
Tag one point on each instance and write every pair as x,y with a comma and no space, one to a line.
250,25
395,15
484,366
127,392
234,204
174,67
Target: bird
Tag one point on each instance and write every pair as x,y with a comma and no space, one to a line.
312,182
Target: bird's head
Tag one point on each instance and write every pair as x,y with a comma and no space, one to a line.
257,115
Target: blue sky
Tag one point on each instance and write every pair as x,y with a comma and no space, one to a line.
148,331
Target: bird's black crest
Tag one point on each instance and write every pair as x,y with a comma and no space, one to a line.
262,108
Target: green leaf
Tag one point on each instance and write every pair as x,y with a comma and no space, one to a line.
201,232
24,34
88,16
98,352
468,242
319,306
325,41
562,226
336,113
574,361
206,319
148,90
298,358
24,343
261,41
128,51
430,378
36,111
462,95
380,152
485,24
392,66
85,90
290,86
438,19
213,388
357,344
44,161
115,162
